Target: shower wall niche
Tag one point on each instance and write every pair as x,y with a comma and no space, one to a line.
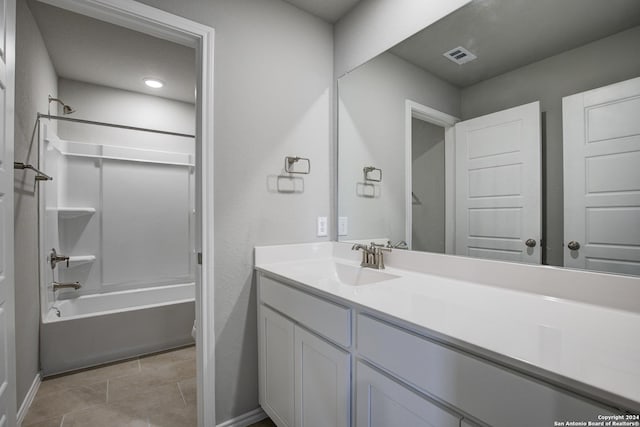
124,215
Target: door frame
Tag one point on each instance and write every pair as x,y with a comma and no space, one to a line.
158,23
7,264
416,110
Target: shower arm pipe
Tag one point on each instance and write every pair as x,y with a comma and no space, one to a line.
41,176
113,125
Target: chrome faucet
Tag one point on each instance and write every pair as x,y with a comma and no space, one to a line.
365,253
58,286
372,255
54,258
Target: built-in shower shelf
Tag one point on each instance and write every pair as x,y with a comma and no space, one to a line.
74,212
75,261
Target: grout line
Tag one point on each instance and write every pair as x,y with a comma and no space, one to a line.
181,394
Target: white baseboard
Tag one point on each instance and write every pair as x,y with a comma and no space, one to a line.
245,419
28,399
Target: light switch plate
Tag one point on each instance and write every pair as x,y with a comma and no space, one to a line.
322,226
343,226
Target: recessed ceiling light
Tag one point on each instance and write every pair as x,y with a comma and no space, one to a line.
153,83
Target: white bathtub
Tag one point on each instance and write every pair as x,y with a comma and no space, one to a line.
96,329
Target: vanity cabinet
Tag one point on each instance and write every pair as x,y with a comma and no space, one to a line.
277,367
322,382
384,402
401,376
305,379
488,392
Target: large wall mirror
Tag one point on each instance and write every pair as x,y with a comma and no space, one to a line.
508,130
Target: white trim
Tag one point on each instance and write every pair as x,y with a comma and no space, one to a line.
28,399
149,20
245,419
138,17
412,110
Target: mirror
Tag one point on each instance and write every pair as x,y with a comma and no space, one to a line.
505,130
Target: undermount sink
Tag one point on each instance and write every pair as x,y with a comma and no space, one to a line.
354,276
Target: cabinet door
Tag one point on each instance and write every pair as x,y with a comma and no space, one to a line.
322,373
276,367
382,402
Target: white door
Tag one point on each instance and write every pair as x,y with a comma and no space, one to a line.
498,180
7,319
322,388
602,178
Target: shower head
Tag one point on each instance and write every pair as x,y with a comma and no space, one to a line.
66,109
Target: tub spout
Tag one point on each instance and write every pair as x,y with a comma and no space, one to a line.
74,285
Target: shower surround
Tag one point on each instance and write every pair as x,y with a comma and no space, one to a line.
124,214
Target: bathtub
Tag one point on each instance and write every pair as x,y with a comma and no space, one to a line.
96,329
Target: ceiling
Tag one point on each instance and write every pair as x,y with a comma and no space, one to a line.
504,34
329,10
509,34
93,51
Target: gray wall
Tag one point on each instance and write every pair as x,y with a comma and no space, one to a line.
111,105
371,126
273,98
427,176
373,26
597,64
35,79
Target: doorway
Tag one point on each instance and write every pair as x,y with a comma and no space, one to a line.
430,166
427,186
162,25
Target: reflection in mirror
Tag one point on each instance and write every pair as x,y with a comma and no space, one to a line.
511,155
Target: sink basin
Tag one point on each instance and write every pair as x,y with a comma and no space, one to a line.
354,276
328,270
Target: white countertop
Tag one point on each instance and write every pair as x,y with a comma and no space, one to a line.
591,344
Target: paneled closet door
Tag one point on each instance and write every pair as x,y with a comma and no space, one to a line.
601,134
7,316
498,185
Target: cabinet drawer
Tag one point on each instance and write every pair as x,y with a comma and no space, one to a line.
495,395
326,318
382,402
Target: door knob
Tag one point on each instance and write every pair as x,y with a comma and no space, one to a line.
573,245
530,243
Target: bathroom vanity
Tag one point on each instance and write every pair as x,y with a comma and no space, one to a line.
342,345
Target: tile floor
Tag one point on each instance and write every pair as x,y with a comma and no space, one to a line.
151,391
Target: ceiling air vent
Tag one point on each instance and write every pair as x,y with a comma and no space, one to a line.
460,55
